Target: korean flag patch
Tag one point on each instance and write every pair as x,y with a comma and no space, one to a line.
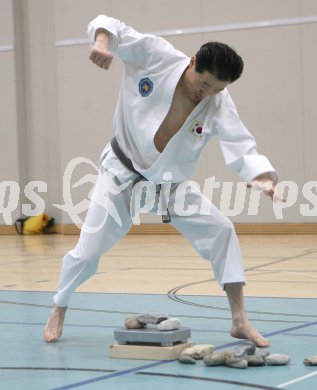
196,129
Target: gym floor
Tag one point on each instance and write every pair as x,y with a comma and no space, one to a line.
154,274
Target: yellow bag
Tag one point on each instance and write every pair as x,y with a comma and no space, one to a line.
34,225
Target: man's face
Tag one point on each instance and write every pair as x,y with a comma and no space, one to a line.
200,85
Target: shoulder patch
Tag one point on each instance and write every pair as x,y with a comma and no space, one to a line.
145,87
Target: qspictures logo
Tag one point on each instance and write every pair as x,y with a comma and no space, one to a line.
145,196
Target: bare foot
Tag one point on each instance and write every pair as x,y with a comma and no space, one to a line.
245,330
54,326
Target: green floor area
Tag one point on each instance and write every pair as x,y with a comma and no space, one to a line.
81,360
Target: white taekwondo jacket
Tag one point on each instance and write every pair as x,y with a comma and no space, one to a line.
153,68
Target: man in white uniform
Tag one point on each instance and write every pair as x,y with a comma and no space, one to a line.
169,106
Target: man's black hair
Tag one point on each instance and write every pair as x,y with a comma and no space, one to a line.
220,60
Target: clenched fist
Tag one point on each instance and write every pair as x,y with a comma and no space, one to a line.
101,57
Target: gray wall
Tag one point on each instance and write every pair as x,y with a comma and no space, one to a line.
55,105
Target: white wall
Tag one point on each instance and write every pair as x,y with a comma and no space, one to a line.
8,125
55,105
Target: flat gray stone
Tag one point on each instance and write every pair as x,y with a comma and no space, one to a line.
152,318
310,361
254,356
237,363
254,360
151,335
186,359
263,352
169,324
213,359
218,358
277,360
245,350
132,322
199,351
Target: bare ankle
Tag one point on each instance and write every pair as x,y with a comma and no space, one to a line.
239,317
54,326
61,309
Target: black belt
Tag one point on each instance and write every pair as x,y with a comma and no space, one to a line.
123,158
128,164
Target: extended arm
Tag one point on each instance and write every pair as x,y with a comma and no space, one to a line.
240,152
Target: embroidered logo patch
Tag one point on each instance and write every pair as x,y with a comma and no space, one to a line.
196,129
145,87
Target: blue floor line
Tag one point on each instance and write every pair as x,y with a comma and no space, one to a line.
113,375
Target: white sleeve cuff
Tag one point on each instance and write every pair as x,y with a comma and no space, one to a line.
109,24
254,165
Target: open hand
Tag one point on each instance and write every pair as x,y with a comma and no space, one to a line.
268,187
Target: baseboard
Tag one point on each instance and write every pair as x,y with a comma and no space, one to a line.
161,229
7,230
276,228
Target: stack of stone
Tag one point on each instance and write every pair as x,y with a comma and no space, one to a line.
160,321
243,357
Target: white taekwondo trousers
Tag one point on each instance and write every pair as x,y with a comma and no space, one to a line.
211,234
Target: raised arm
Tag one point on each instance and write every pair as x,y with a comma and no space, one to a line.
108,35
